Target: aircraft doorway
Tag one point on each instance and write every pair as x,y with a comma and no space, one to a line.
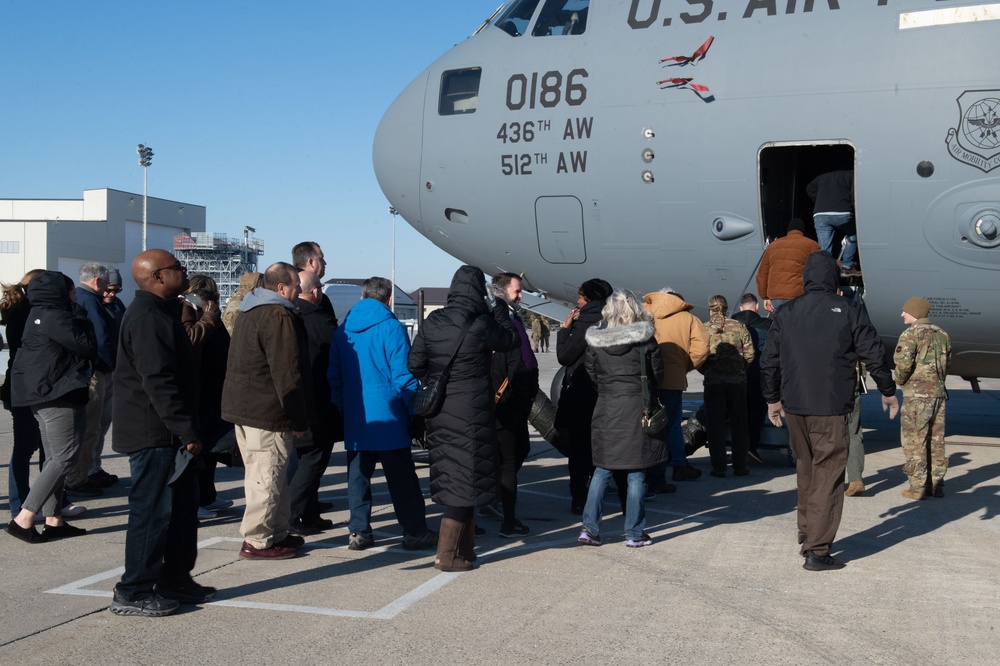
785,172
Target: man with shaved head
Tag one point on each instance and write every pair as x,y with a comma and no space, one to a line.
155,402
268,395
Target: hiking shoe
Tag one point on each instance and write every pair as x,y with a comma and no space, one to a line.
514,530
26,534
218,504
913,494
588,539
425,541
855,488
822,563
189,592
150,604
360,541
850,272
686,473
63,531
644,540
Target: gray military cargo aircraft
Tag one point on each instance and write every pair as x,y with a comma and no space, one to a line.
656,142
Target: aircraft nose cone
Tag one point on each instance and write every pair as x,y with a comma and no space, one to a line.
396,150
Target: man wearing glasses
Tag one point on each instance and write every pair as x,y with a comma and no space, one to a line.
155,402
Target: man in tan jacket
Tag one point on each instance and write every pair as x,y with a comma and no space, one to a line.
683,343
779,278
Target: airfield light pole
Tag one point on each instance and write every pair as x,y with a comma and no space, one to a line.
145,159
394,213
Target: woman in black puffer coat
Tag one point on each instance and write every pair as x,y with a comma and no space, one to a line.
578,395
51,375
462,437
616,348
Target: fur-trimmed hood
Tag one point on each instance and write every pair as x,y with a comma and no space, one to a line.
620,339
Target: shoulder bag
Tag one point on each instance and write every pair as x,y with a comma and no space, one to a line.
428,399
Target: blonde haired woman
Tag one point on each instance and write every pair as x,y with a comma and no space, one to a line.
616,348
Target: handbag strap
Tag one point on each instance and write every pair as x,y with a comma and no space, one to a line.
461,337
645,381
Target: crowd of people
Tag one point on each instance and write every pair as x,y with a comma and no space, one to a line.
272,382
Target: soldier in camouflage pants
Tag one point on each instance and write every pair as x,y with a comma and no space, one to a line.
922,356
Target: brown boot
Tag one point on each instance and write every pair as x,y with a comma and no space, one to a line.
913,494
467,546
449,540
855,488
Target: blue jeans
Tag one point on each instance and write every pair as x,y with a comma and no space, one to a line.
404,489
27,440
825,225
635,508
161,541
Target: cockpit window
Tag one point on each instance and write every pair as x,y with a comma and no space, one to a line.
516,16
459,91
562,17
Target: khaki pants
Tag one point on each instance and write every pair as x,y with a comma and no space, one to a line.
265,484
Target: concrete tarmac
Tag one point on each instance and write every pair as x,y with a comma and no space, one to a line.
723,582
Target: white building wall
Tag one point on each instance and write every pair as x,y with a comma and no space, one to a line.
105,226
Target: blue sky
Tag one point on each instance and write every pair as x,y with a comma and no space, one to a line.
263,112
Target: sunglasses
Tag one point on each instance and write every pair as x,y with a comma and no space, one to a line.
173,267
112,290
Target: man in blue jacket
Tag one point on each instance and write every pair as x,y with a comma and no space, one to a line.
371,385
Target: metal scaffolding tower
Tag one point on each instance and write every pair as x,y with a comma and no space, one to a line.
222,257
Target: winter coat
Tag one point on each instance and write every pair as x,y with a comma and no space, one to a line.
369,380
157,385
578,395
814,344
210,340
104,327
520,367
613,362
462,437
780,273
268,383
58,347
328,424
758,327
683,339
13,320
832,192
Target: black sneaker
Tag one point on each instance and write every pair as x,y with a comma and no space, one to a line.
425,541
359,541
63,531
822,563
26,534
186,593
150,604
514,530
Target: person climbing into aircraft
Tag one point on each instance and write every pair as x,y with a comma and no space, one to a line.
833,194
779,277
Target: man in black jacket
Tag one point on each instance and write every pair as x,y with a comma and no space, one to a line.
756,406
807,373
515,374
155,402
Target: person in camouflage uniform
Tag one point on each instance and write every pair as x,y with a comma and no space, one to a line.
730,352
922,357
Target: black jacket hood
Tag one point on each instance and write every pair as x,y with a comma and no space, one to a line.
468,290
48,290
820,273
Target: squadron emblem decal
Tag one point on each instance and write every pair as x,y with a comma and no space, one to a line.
976,140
